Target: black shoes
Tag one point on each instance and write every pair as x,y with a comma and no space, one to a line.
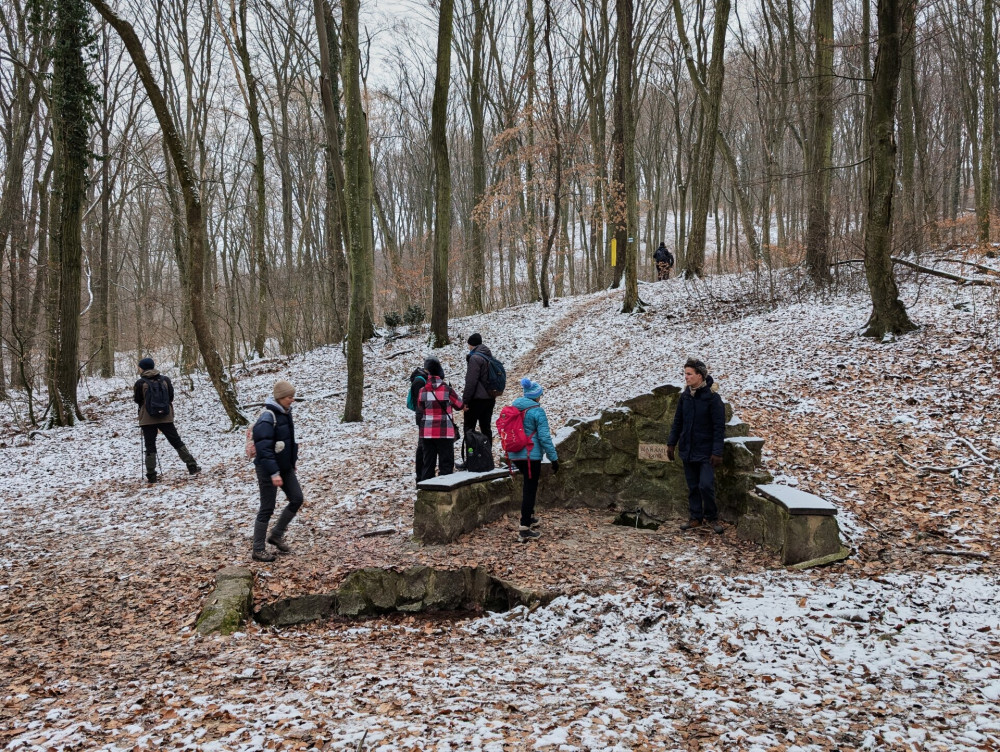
534,522
263,556
692,525
525,534
716,526
279,543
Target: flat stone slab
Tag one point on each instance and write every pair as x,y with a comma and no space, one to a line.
796,501
459,479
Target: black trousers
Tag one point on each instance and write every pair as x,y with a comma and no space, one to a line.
419,465
480,411
168,429
529,488
438,453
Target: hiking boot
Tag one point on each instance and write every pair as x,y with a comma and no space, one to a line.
187,459
716,526
151,467
534,522
263,556
526,534
692,525
279,543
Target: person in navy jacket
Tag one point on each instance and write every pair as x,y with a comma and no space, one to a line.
697,434
276,455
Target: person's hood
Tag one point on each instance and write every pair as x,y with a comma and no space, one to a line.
523,403
272,402
150,373
479,349
706,387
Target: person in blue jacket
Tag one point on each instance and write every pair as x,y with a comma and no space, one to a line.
277,453
529,464
697,434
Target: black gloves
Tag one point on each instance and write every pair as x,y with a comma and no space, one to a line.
555,466
716,460
670,453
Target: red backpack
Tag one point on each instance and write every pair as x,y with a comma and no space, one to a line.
510,427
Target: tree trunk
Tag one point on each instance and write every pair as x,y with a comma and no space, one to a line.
555,158
888,313
196,235
336,235
442,179
907,136
73,98
694,261
984,198
478,236
358,193
624,12
820,154
531,200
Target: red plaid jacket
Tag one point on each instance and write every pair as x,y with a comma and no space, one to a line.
434,404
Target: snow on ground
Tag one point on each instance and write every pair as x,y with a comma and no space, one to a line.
661,642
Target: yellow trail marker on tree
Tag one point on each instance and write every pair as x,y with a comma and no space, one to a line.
614,251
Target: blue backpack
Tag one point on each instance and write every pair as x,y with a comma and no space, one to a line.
421,376
496,376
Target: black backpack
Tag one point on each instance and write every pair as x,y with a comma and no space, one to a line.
476,452
496,376
157,397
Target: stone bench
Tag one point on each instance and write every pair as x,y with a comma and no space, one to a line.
449,505
800,526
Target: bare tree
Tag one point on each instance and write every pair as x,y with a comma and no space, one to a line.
442,178
820,154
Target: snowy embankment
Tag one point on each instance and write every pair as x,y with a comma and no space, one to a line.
692,643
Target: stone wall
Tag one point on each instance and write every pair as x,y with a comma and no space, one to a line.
615,460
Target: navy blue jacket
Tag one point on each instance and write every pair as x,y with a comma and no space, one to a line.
267,433
699,424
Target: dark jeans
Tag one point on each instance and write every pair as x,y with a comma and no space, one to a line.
480,411
419,465
700,477
438,453
268,497
529,488
168,429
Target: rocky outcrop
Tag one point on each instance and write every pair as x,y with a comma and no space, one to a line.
372,591
229,605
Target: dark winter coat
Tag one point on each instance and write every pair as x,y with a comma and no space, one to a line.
476,373
266,435
139,396
699,426
664,256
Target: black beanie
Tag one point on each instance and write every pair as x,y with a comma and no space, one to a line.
476,339
433,367
146,364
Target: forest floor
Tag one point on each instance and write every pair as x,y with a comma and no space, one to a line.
662,640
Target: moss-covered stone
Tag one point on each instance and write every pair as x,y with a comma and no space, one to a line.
229,605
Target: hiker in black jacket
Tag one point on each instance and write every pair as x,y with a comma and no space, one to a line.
155,389
275,458
479,404
698,432
664,262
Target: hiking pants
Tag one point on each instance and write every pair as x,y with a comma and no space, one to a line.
529,488
268,497
480,411
438,453
420,459
700,477
168,429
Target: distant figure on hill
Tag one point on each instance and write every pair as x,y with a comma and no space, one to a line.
417,381
436,420
479,403
154,394
664,262
698,432
529,460
275,459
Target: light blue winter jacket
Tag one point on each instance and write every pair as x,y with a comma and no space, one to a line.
535,422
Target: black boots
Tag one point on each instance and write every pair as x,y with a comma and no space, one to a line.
187,459
151,467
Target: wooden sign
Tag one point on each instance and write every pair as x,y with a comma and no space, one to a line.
653,452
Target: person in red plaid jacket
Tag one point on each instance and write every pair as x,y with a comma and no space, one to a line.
437,426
